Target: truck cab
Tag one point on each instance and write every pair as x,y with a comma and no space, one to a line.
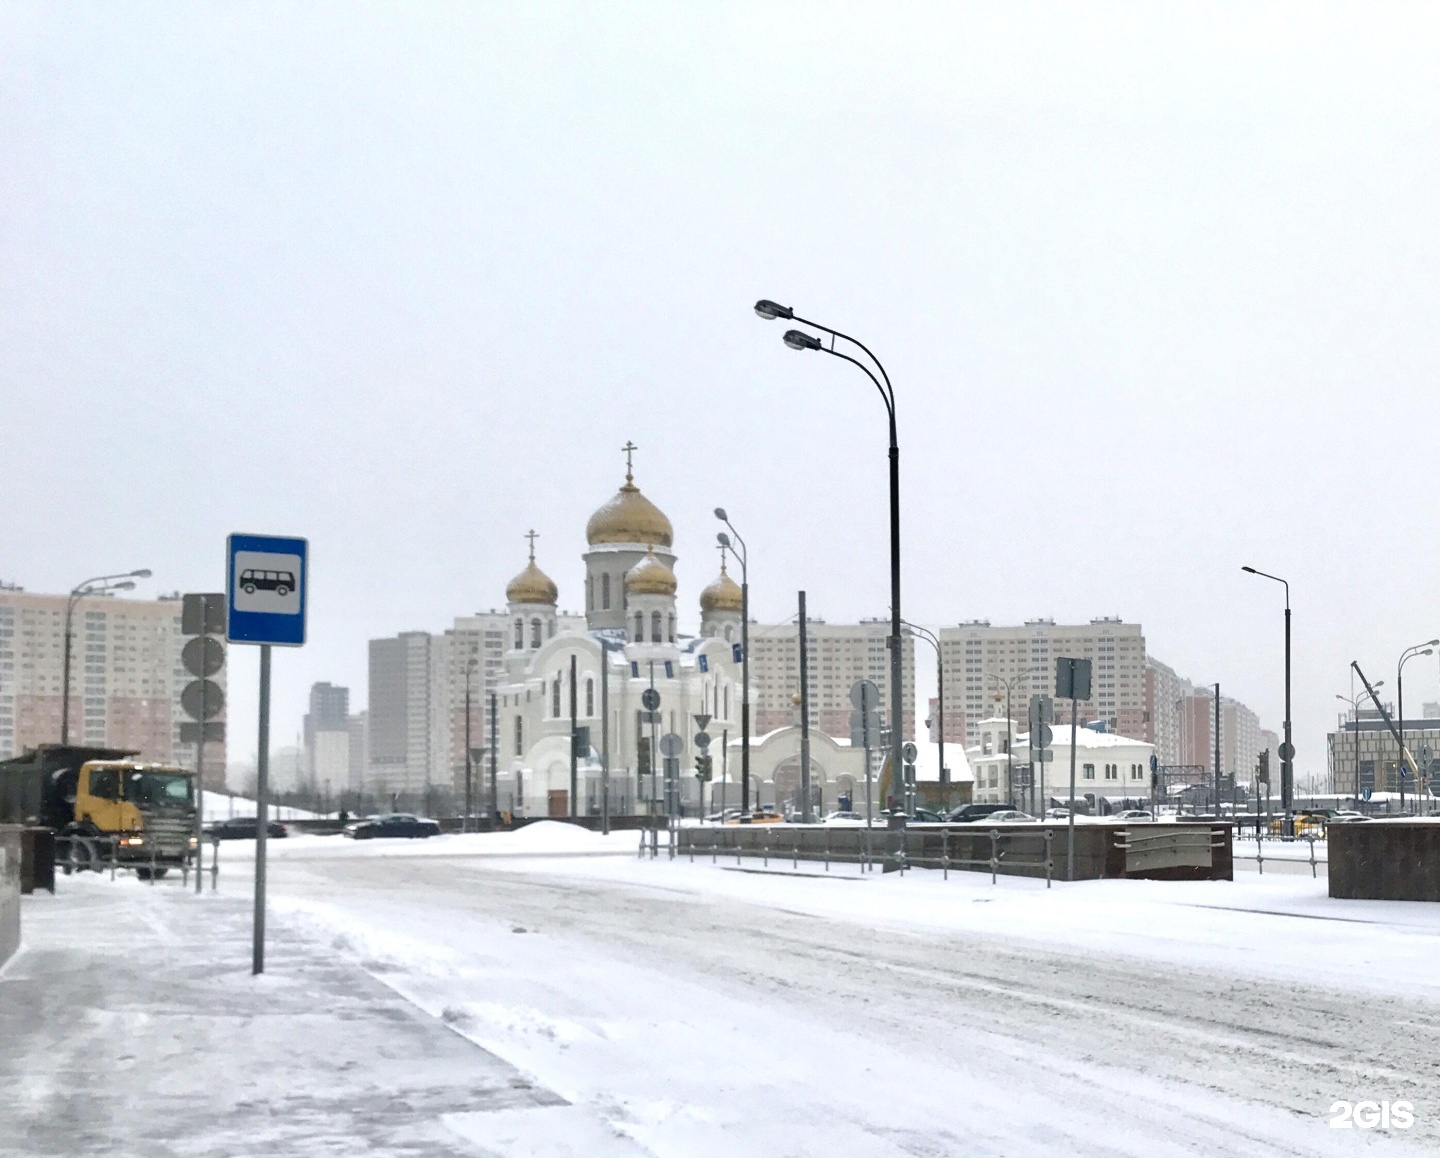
149,807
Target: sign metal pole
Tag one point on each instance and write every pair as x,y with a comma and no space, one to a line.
262,792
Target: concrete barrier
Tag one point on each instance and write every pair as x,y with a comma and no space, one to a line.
9,890
1385,860
1183,851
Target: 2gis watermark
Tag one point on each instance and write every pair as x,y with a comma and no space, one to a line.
1371,1115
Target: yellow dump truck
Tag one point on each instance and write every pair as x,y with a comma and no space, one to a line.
102,803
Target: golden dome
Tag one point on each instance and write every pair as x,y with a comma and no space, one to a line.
629,517
722,595
650,577
532,585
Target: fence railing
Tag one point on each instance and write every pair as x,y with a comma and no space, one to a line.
77,853
1259,857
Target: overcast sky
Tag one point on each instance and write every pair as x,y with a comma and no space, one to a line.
1156,285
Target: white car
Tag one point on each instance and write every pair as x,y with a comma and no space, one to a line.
839,817
1009,816
1132,814
1058,814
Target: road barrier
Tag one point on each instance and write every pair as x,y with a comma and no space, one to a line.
1156,851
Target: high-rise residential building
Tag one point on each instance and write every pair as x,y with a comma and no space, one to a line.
126,676
839,655
327,740
415,721
983,662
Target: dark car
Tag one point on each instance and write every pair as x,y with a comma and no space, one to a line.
968,813
244,828
919,816
393,824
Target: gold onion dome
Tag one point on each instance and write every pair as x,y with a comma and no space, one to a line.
629,517
722,595
532,585
650,577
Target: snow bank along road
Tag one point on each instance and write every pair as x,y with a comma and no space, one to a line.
640,1008
693,1009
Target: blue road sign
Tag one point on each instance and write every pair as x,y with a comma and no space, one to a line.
1365,794
266,579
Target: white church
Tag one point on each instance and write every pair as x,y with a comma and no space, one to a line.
632,642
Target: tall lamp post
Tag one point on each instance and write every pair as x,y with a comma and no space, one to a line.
934,641
1354,701
799,340
1009,685
100,585
469,669
744,556
1426,648
1287,748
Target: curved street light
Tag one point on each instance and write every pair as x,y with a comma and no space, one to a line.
1426,648
1287,749
99,585
799,340
934,641
744,555
1009,686
1354,701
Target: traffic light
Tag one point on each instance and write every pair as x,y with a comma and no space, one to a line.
1262,773
704,766
642,757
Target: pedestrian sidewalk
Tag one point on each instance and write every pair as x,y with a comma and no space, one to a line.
130,1024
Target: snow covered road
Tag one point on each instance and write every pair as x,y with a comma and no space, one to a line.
698,1010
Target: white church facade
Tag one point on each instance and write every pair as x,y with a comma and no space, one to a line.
597,676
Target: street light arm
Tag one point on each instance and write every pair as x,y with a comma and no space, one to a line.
744,551
1275,578
861,345
887,398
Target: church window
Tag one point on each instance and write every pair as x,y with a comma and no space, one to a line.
519,634
670,627
534,633
589,592
605,592
551,631
655,627
555,698
729,633
589,698
639,627
727,701
519,735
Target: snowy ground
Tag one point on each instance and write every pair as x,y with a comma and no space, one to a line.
681,1009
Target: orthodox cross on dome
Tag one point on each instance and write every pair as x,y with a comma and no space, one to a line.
629,449
532,535
724,554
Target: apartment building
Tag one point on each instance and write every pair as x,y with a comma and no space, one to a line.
415,720
984,663
1180,722
125,676
840,654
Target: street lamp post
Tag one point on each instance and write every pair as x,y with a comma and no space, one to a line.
744,555
799,340
100,585
934,641
1008,685
1287,749
1426,648
1354,701
469,669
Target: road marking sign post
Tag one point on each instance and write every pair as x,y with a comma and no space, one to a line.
267,587
1072,682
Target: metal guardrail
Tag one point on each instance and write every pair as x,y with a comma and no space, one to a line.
77,853
1259,856
789,844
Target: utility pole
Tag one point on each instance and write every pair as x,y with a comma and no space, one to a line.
1217,751
494,756
604,737
574,757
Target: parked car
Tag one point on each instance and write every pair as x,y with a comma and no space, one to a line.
927,815
1131,814
843,817
1005,816
244,828
724,816
1057,814
393,824
1347,817
967,813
